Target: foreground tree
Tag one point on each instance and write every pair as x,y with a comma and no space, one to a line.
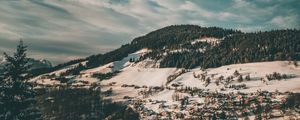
17,97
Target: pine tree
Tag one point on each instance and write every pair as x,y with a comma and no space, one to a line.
248,77
17,98
240,78
236,73
295,63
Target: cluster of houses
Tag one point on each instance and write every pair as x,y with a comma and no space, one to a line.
196,103
201,104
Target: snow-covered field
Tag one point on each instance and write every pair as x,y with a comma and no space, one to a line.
137,76
158,77
135,79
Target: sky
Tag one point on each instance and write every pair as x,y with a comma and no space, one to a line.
62,30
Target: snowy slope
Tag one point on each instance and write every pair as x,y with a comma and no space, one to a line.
137,76
158,76
256,72
117,65
47,81
143,76
86,74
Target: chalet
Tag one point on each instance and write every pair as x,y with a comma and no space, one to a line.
276,113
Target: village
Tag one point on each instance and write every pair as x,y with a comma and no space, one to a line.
213,105
207,104
194,103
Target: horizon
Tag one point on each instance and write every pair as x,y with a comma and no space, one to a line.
77,29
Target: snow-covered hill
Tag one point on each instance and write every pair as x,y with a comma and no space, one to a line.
134,82
158,77
52,78
157,87
136,73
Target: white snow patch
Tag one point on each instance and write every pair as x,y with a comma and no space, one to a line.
210,40
117,65
143,76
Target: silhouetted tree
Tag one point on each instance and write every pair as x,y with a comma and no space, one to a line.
17,98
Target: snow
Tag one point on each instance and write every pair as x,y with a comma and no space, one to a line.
138,74
135,75
102,69
86,75
117,65
146,73
210,40
258,71
143,51
139,77
143,76
148,63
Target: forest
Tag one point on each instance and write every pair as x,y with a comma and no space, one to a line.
234,47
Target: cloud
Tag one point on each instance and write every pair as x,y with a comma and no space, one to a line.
286,21
69,29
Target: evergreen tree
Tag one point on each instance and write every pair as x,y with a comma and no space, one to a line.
248,77
295,63
240,78
236,73
17,98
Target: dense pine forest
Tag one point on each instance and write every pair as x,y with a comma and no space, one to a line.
255,47
171,37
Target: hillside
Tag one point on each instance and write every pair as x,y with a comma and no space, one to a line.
160,76
164,40
139,76
190,46
255,47
151,89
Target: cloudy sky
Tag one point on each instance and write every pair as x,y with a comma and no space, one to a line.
61,30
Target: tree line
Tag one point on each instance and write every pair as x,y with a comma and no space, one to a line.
234,47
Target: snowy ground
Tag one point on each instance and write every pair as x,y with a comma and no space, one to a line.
138,75
158,77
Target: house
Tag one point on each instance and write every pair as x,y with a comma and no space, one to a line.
276,113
